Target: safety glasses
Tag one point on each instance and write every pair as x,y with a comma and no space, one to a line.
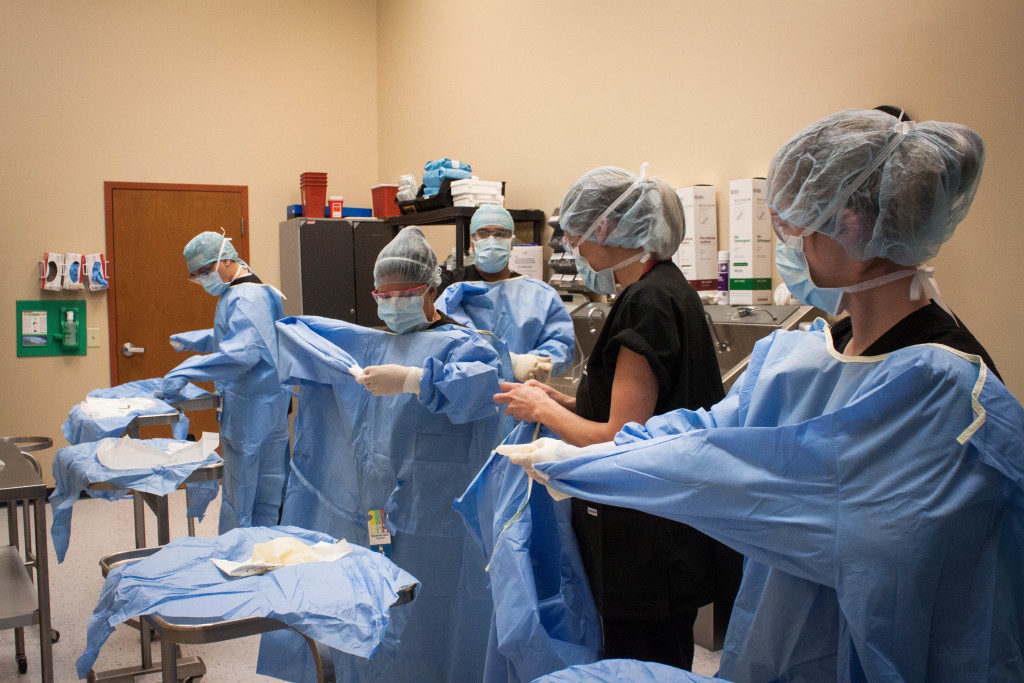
787,232
414,292
571,243
201,272
485,233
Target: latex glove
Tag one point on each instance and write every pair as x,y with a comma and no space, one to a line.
529,366
172,387
390,379
177,345
527,455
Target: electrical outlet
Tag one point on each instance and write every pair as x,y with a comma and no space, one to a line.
94,337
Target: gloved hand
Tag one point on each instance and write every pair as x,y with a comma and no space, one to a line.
390,379
172,387
528,366
176,344
542,450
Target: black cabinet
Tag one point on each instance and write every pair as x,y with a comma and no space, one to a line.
327,266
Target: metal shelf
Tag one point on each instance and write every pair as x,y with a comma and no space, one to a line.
20,605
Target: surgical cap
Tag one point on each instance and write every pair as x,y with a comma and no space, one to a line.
407,258
491,214
204,248
907,184
650,217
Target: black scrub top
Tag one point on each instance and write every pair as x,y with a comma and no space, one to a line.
639,565
467,274
927,325
443,320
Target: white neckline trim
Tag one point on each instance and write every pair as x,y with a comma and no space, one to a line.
976,406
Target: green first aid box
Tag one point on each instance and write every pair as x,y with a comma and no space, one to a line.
50,328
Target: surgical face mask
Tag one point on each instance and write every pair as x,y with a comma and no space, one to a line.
212,283
602,281
402,313
492,254
792,264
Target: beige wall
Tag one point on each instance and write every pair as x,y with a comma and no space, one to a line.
536,92
237,93
253,93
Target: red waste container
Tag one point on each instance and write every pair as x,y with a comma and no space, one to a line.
384,201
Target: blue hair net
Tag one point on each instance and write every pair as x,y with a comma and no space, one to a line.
407,258
491,214
204,249
906,185
648,212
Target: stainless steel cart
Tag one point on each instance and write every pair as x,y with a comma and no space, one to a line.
25,604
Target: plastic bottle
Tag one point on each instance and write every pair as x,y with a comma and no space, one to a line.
723,278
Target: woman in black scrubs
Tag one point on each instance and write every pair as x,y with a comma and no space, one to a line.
648,575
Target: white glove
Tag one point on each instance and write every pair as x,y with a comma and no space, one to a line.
527,455
528,366
390,379
177,345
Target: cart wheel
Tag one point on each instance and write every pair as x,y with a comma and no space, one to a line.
22,663
54,635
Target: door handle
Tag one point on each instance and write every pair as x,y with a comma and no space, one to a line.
128,350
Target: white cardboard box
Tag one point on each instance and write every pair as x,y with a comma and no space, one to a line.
697,255
750,243
527,259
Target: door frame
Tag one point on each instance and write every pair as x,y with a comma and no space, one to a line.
108,195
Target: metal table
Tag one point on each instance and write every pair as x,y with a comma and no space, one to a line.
173,668
21,480
461,217
160,508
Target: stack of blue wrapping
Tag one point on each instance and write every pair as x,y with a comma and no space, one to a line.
344,604
434,173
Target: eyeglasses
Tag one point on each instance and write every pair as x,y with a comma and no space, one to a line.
786,231
485,233
571,243
415,291
201,272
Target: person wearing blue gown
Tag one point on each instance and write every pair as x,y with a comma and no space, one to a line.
871,471
525,313
240,354
395,424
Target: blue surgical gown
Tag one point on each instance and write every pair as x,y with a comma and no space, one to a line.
620,670
524,312
544,616
254,405
879,501
407,455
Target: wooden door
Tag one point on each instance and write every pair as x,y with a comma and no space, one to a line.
150,297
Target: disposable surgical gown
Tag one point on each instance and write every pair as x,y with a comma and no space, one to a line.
254,405
879,500
544,616
408,455
345,604
524,312
617,670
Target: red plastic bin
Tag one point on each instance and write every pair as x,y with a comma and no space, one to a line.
384,205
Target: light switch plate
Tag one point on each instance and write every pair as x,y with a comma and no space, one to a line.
94,337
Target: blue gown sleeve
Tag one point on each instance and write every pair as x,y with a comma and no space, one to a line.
558,338
462,386
780,494
200,341
237,353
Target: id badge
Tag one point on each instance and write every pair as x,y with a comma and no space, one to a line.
380,539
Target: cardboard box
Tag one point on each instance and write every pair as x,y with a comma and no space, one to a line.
750,243
527,259
697,256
